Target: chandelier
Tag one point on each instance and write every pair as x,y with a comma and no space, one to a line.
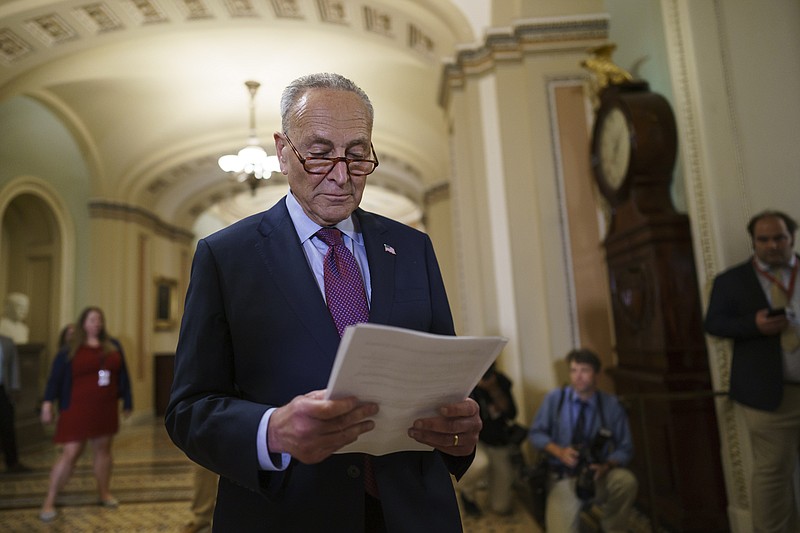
251,164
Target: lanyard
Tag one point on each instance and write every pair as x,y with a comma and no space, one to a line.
789,289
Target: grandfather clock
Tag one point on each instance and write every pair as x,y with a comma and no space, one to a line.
662,366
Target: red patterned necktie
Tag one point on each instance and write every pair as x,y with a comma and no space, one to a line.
344,288
347,303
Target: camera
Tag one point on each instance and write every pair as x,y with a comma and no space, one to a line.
592,454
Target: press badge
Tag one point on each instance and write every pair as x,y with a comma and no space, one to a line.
104,378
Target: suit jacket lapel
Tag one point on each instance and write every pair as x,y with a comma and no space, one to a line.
286,263
381,266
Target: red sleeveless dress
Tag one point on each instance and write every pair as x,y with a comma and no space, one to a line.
93,409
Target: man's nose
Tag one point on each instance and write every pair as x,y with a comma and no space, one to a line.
340,172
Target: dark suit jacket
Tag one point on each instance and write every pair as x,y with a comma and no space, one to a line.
10,361
256,333
757,365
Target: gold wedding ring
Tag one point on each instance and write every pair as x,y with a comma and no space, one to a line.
455,439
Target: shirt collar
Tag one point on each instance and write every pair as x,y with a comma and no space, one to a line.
763,267
306,228
576,399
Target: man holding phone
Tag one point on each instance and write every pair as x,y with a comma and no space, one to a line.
755,304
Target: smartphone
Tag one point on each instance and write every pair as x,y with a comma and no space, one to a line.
776,312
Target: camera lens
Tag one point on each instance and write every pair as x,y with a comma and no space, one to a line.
584,483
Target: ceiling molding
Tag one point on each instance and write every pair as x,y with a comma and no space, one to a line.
101,209
151,89
525,37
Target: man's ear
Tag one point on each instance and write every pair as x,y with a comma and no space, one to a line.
280,148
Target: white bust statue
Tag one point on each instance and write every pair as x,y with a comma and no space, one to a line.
12,324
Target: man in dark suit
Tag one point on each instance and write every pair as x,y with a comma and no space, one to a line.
756,305
9,384
257,344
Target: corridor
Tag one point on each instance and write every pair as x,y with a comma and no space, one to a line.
152,480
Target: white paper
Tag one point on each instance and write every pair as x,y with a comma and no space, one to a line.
409,374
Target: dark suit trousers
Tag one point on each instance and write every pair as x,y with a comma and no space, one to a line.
775,441
8,437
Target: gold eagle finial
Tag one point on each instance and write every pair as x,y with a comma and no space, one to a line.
605,71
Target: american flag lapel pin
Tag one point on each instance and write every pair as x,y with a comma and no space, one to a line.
389,249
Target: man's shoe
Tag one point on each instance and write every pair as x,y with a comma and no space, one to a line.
18,468
470,507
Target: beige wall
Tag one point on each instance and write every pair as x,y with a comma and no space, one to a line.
438,224
505,12
129,252
515,141
583,228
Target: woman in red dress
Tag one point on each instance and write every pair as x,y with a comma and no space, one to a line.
88,378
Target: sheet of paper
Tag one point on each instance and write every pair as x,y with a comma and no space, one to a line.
409,375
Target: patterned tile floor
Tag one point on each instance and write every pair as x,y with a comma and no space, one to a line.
152,480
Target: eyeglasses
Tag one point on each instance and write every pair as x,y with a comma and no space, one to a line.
323,165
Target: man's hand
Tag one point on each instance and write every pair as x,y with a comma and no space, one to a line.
770,325
600,469
454,432
568,456
310,428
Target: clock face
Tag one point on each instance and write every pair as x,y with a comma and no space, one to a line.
633,147
614,148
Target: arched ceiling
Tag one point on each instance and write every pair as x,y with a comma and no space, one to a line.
153,90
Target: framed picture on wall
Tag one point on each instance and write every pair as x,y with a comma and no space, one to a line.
166,302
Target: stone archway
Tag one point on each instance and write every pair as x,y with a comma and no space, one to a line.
31,247
37,242
31,263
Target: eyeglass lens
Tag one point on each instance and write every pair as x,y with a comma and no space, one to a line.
322,166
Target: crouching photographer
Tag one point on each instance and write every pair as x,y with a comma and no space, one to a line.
498,444
586,436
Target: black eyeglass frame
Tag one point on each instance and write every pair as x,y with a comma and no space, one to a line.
334,160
